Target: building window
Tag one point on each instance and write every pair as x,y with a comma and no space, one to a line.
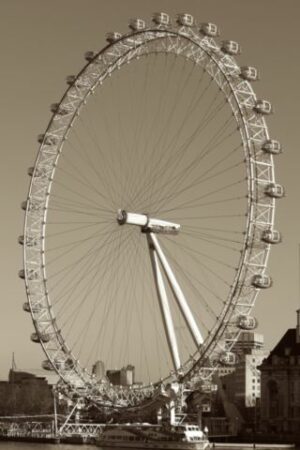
272,387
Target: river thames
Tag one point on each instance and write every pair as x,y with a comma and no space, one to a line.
38,446
5,445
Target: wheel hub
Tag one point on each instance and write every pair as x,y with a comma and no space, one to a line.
147,224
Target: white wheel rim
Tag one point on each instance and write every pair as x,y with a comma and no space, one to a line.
224,70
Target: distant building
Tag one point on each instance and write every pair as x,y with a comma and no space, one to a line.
280,385
99,370
114,376
249,341
127,375
242,385
238,387
122,377
25,393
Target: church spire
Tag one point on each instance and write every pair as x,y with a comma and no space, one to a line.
13,363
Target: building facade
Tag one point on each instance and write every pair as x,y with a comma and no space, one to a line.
98,370
122,377
280,385
243,385
25,393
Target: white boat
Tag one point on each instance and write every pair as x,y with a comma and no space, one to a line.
183,436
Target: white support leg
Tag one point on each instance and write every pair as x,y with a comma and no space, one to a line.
178,294
164,306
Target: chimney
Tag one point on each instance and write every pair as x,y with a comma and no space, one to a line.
298,327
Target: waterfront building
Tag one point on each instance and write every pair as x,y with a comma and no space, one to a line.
234,406
242,385
239,385
25,393
280,385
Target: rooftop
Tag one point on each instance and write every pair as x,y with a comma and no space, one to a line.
287,344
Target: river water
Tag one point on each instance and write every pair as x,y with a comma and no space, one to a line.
5,445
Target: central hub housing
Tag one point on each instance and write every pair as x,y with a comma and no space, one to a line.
147,224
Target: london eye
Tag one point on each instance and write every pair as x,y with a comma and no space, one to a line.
150,212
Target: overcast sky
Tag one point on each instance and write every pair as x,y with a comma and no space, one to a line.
42,42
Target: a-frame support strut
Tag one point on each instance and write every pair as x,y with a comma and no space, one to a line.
151,227
164,306
177,292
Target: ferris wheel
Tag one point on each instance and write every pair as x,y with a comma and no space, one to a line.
150,212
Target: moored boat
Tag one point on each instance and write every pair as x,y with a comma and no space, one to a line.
183,436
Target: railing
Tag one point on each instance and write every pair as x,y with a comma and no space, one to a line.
31,429
81,429
27,429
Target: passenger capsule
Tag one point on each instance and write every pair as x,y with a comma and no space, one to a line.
56,108
271,236
137,24
47,365
161,18
26,307
271,146
31,274
274,190
69,364
89,56
24,205
209,29
60,363
186,20
46,139
40,337
113,36
263,107
21,274
228,358
39,172
231,47
249,73
30,206
247,322
70,79
262,281
30,241
30,171
34,308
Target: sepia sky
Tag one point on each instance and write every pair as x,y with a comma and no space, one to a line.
42,42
